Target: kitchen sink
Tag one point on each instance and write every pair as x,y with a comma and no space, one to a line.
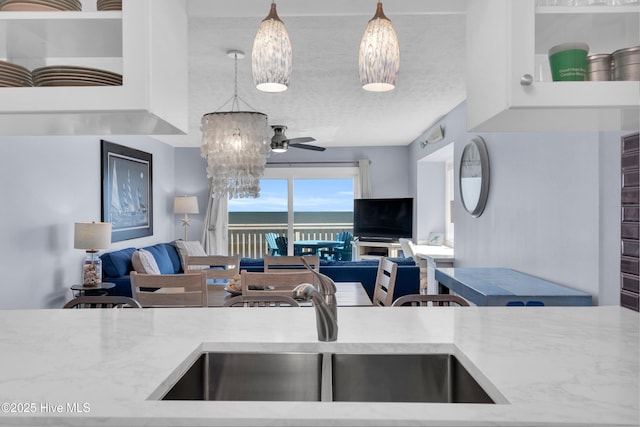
438,378
251,376
353,377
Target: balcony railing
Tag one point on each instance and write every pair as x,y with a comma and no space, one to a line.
248,240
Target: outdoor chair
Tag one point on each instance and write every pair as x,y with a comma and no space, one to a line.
272,246
282,243
340,253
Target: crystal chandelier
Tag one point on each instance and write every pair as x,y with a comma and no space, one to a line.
271,54
235,144
379,57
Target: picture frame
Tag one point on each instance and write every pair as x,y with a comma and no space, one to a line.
127,191
435,239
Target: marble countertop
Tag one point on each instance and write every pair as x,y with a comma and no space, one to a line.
545,365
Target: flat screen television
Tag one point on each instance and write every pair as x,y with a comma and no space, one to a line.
383,219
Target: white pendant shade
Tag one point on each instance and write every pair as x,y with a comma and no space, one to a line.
271,54
379,57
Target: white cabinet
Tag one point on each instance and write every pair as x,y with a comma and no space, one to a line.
508,39
146,43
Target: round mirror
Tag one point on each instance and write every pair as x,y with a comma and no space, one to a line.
474,176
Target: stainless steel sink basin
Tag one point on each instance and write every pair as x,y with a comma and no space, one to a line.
289,376
437,378
251,376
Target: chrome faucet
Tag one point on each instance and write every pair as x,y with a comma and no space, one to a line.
324,303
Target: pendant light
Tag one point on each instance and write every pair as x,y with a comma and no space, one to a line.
271,54
235,144
379,57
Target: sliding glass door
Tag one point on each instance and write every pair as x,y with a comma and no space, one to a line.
294,204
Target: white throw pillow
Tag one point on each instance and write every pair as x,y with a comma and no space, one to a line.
144,262
191,248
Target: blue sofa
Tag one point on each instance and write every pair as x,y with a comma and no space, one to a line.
116,267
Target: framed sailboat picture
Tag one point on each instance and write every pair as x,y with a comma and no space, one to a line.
127,196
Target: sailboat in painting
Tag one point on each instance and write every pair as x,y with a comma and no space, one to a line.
128,210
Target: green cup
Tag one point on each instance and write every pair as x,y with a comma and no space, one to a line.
568,62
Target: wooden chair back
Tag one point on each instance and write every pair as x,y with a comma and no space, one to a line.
170,290
270,283
435,300
385,283
106,301
216,267
283,264
261,301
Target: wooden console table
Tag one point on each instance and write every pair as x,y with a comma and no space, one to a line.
502,286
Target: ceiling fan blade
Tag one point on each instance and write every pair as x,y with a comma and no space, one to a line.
307,147
302,139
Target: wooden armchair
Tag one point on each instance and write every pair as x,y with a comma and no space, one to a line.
435,300
281,264
106,301
170,290
269,283
261,301
385,283
220,269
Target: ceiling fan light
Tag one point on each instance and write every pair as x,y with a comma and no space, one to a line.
379,55
278,149
271,56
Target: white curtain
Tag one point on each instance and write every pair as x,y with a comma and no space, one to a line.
216,225
365,179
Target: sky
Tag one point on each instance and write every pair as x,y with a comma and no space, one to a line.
310,195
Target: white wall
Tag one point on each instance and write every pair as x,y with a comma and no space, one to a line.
48,184
553,207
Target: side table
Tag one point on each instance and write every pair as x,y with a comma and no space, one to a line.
97,289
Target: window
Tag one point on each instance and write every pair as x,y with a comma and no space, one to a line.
299,203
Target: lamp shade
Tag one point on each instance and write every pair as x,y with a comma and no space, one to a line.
92,235
379,57
271,54
185,205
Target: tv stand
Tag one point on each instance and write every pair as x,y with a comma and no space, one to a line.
369,249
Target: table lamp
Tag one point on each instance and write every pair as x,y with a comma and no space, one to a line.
92,236
185,205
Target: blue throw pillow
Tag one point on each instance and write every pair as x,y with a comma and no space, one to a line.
175,258
162,258
117,263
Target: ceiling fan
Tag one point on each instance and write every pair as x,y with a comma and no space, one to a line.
280,143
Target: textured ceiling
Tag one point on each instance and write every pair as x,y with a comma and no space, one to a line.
324,99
